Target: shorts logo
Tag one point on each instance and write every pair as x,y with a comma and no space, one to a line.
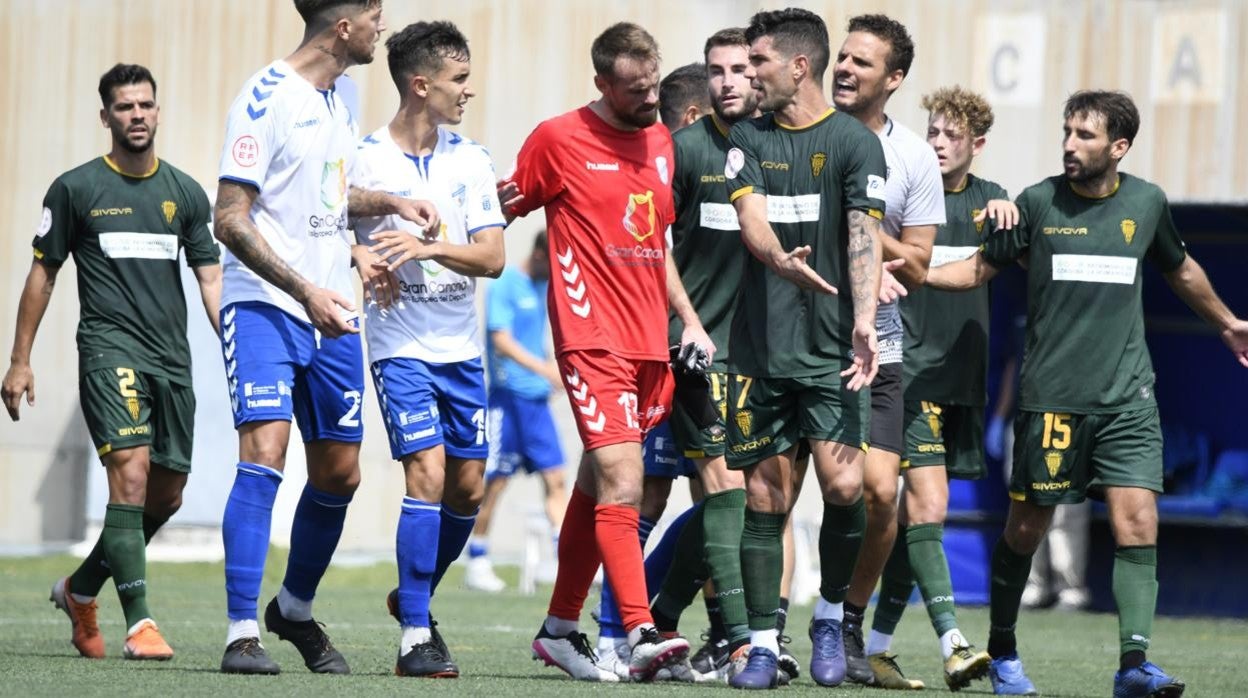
639,216
245,151
585,404
1053,461
817,161
574,285
736,161
745,422
132,405
1128,229
170,210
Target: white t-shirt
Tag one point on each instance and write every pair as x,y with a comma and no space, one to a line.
435,319
296,145
914,194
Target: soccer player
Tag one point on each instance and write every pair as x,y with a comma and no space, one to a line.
807,183
124,217
603,172
289,331
425,349
1095,429
682,97
522,427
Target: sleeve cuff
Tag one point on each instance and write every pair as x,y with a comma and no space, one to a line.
732,198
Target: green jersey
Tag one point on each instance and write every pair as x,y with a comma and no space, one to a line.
812,177
1085,350
706,237
125,233
946,341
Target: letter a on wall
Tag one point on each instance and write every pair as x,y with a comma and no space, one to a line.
1189,56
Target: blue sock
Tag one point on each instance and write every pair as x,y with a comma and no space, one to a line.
453,535
609,623
313,538
477,547
660,559
416,548
245,532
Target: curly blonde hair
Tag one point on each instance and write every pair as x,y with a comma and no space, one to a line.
962,106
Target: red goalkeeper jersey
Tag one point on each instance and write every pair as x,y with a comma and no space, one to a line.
608,199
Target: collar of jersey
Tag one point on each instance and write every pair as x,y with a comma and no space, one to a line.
719,125
803,127
113,166
1117,183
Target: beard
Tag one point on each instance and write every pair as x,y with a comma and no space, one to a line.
743,109
639,119
123,139
1093,169
361,55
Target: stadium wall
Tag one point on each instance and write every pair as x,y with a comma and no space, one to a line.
1181,60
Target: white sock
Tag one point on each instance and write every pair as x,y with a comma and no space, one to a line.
634,635
134,628
606,645
767,639
559,627
82,598
240,629
412,636
878,642
825,610
951,638
292,607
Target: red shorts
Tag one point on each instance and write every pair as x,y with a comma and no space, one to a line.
615,399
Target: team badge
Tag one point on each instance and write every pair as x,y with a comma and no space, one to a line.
745,422
979,225
639,216
1053,461
1128,229
736,161
45,223
132,404
817,161
170,210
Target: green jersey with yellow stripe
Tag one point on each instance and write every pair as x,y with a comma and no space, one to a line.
812,177
125,234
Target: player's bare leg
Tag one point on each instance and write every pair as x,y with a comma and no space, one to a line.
880,497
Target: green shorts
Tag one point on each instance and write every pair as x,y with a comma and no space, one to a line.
708,442
125,408
768,416
1059,457
948,435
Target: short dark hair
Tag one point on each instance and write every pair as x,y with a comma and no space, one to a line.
123,74
420,48
732,36
793,31
540,242
622,40
682,87
313,11
889,30
1122,119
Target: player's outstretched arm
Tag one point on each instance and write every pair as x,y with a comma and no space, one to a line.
235,229
20,379
1191,284
209,278
680,304
762,242
365,203
865,270
914,249
482,256
962,275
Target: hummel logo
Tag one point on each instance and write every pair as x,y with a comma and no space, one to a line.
571,272
602,166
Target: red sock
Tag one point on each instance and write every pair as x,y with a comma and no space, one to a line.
615,527
578,557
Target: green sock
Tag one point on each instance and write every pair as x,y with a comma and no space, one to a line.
1135,593
722,524
126,553
686,575
896,584
1009,577
931,571
90,576
762,566
840,539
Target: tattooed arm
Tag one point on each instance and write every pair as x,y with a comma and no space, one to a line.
865,265
20,379
235,229
364,203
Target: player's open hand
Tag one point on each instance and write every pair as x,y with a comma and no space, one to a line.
381,286
422,213
395,247
866,359
1235,336
18,381
1003,212
792,266
325,311
890,288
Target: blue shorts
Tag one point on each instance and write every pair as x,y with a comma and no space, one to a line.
280,367
426,405
522,435
663,457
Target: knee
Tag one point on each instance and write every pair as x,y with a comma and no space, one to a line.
464,499
1024,537
163,506
881,499
267,452
765,494
342,483
1138,527
924,509
845,487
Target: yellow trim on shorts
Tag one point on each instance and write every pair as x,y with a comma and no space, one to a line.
1018,496
104,450
866,447
905,463
38,253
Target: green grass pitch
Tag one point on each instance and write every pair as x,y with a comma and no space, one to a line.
1066,654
